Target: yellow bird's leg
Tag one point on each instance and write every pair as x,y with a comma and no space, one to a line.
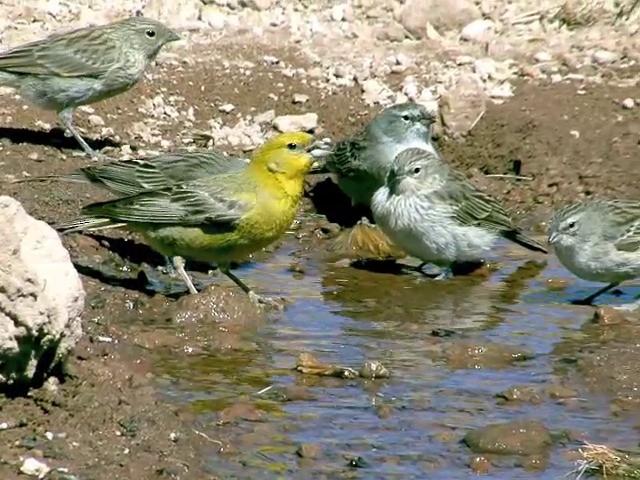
178,264
253,296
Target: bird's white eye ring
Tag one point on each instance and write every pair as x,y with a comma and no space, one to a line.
406,118
417,170
292,146
150,33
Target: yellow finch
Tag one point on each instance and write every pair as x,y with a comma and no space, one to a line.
221,218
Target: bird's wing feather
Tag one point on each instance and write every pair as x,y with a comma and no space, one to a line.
194,203
346,158
474,207
130,177
626,218
82,53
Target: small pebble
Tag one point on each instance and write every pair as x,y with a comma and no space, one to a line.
309,450
604,57
542,57
628,103
227,108
300,98
34,468
96,120
480,464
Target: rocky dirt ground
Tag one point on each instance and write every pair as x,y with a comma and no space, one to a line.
571,126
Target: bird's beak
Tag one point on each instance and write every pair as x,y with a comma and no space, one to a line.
427,121
552,238
174,37
393,182
319,150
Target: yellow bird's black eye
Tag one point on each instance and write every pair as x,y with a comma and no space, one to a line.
292,146
150,33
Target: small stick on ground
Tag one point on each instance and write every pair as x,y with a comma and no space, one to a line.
504,175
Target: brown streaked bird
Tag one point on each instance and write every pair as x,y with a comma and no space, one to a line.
83,66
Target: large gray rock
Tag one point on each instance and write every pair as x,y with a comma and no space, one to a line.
41,297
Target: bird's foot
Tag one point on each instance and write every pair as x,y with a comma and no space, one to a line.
265,301
445,274
583,301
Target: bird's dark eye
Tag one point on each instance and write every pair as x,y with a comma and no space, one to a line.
406,118
571,225
416,170
150,33
292,146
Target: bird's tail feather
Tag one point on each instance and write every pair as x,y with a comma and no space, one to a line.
42,178
524,241
86,224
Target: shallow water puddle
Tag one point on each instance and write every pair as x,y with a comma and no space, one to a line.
451,347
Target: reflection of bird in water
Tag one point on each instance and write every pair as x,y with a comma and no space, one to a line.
409,302
413,304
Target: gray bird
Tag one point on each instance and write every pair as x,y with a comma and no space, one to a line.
83,66
131,177
433,213
362,162
599,241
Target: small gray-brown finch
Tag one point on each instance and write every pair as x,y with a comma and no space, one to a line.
598,240
433,213
83,66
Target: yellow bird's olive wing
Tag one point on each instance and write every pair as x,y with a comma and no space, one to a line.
130,177
184,205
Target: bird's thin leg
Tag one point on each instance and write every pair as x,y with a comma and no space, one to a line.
591,298
253,296
178,263
169,266
66,119
234,279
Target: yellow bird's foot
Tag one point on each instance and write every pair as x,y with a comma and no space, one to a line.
264,301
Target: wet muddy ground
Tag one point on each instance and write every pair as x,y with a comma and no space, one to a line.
171,386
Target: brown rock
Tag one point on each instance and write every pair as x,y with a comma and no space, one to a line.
240,411
480,464
520,437
309,450
609,316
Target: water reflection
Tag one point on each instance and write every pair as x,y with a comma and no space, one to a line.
409,425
